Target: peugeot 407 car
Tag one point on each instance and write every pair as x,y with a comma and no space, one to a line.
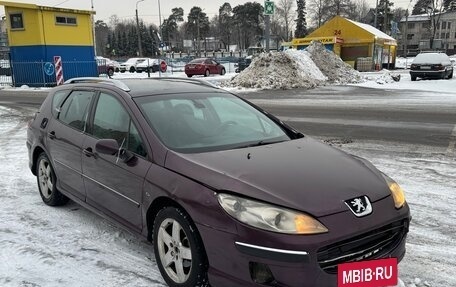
227,193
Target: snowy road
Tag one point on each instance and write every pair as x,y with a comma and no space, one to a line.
69,246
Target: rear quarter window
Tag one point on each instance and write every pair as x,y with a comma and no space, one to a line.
57,100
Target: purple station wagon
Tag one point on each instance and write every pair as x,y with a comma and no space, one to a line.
227,193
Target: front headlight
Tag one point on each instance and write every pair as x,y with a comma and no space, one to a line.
269,217
396,191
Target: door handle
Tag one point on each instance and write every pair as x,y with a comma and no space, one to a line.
88,152
51,135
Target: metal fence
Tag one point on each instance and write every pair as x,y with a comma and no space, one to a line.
43,74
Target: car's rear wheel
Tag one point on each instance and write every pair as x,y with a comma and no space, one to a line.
132,69
178,249
222,72
189,75
450,76
413,78
47,182
110,72
207,73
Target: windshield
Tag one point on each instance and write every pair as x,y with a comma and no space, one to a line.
191,123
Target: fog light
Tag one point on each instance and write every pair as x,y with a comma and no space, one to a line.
261,273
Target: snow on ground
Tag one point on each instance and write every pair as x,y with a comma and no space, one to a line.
70,246
405,83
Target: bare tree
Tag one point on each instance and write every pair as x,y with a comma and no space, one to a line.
316,8
287,14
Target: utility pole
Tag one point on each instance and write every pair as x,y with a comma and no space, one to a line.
385,17
376,12
267,36
138,30
198,34
405,36
93,31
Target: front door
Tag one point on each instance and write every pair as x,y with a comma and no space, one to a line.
113,186
65,135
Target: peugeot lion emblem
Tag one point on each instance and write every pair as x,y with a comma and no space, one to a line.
360,206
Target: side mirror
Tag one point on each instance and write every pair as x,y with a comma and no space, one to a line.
107,146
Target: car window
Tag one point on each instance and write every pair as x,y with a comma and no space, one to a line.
207,122
75,108
208,62
57,100
112,121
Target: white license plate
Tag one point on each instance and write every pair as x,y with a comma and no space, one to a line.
425,67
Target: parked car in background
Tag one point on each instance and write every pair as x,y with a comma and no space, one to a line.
107,66
431,65
227,193
130,64
243,63
204,66
151,65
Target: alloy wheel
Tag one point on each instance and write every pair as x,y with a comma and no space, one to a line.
174,250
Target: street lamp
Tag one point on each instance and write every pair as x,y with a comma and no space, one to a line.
139,32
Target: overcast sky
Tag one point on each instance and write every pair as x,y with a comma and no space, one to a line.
148,9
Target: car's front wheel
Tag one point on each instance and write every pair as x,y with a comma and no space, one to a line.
222,72
207,73
47,182
178,249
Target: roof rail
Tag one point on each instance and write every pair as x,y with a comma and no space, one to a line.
195,81
121,85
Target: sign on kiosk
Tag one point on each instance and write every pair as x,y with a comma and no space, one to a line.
373,273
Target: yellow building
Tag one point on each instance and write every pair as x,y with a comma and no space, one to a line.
38,33
354,42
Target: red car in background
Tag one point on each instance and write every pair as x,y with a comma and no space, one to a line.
204,66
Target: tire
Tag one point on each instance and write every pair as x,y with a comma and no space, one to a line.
132,69
176,239
189,76
413,78
207,73
450,76
46,180
222,72
110,72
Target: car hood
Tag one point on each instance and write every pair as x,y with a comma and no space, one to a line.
302,174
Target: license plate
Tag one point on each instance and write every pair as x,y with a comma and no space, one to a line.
372,273
425,67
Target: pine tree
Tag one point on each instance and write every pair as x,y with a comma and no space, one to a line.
301,25
382,13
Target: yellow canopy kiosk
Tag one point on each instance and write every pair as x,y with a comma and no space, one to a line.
358,44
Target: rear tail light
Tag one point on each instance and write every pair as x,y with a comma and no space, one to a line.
438,67
413,66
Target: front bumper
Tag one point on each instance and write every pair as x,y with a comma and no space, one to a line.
428,73
295,260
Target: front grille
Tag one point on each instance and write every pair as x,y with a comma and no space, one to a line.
374,244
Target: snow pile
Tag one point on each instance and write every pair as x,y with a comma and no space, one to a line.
310,68
332,66
276,70
386,77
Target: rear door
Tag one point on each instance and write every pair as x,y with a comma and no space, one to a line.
114,186
65,136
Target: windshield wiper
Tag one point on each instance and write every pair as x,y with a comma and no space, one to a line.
260,143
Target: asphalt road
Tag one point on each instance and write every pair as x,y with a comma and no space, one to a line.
341,112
